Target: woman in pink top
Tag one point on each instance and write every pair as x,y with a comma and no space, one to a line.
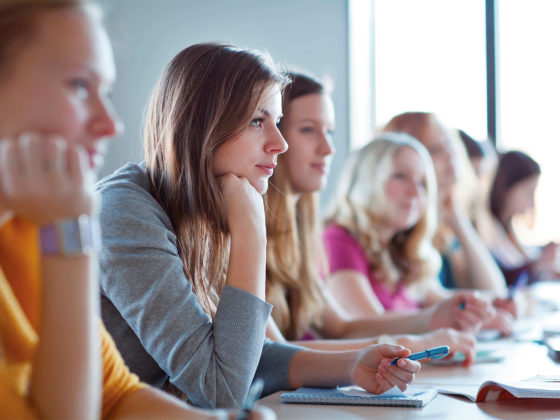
346,253
379,233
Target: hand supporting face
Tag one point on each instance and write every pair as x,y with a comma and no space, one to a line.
244,206
45,178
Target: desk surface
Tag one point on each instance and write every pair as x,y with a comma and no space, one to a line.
522,360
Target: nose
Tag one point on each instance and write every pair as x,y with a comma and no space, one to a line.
326,146
105,122
275,142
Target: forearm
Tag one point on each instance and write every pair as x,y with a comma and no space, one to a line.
321,368
68,353
336,345
149,403
389,323
247,264
484,274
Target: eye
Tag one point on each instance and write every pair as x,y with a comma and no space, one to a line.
81,86
257,122
306,130
399,175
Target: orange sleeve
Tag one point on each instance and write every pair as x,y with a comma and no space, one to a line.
13,405
118,381
20,259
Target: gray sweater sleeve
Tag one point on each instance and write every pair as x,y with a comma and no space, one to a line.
142,276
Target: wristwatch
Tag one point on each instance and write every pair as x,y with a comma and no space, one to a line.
72,237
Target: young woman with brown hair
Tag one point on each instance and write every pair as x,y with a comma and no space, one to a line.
184,244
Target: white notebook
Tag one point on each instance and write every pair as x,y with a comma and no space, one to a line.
413,397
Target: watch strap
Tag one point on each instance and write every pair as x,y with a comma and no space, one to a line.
77,236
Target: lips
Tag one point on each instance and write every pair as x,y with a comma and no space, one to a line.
267,168
320,167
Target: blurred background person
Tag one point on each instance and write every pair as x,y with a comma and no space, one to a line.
512,195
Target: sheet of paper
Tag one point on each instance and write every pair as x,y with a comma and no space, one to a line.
356,391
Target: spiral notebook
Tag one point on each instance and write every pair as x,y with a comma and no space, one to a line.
413,397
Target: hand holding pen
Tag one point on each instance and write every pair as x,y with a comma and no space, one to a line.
433,353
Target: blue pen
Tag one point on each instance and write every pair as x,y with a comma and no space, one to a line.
519,284
252,396
435,353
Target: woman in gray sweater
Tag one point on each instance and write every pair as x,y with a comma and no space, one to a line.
184,241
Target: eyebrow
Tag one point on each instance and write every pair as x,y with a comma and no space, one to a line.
267,113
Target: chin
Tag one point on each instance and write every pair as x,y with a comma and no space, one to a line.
260,186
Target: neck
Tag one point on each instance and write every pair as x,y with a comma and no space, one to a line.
385,234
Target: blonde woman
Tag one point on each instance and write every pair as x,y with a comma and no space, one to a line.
379,233
466,261
303,309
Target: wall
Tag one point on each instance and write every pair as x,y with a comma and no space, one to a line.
146,34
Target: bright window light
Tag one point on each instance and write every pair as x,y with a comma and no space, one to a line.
529,74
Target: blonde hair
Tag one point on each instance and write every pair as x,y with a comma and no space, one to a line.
294,251
421,125
204,98
360,203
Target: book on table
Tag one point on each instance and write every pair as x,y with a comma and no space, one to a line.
506,390
414,396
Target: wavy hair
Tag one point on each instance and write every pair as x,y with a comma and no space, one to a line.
204,98
294,251
360,202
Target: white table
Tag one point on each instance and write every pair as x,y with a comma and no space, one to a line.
522,360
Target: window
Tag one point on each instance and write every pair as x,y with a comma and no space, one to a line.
430,55
529,88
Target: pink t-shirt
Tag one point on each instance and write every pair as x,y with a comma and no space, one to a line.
344,252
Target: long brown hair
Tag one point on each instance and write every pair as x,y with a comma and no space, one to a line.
293,252
204,98
18,20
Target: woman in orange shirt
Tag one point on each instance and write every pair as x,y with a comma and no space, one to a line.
55,76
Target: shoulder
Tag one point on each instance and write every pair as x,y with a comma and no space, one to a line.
336,234
131,179
126,194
